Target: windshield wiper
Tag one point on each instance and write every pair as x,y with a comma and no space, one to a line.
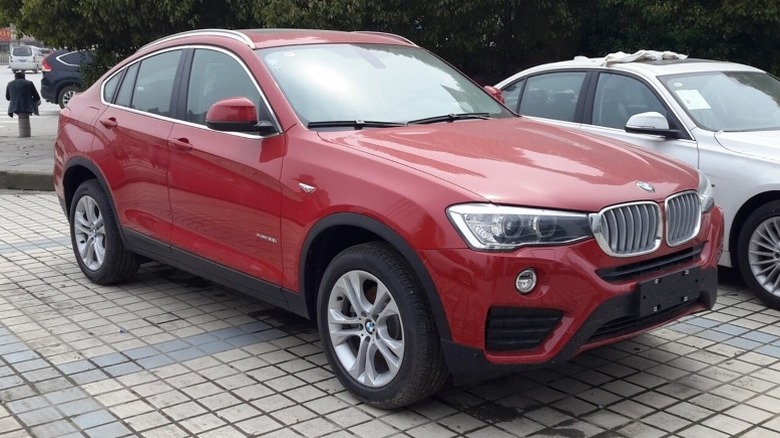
357,124
450,118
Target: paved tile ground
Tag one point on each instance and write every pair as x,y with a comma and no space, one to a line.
172,355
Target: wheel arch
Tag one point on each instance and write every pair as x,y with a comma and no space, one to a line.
76,172
337,232
742,214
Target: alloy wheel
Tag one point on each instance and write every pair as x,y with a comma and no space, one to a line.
90,233
764,255
365,328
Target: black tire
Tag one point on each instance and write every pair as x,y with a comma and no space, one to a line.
761,269
66,94
95,238
403,320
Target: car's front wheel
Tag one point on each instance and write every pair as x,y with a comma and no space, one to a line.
98,247
758,253
376,327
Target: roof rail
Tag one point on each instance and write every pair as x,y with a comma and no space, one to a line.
212,32
387,34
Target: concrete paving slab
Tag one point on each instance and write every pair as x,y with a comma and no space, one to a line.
147,358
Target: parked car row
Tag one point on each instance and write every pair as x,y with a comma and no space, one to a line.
720,117
358,180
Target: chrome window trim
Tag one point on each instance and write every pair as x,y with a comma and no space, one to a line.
274,119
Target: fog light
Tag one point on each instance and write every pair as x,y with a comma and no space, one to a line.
526,281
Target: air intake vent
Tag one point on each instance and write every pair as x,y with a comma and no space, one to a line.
515,329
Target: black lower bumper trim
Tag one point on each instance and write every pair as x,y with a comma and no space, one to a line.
614,318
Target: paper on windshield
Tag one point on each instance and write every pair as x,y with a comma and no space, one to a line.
693,100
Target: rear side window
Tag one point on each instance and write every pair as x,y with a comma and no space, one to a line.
552,96
155,83
75,59
126,90
109,89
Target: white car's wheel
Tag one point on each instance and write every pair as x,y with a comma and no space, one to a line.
758,253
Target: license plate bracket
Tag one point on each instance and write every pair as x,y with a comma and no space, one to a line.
669,291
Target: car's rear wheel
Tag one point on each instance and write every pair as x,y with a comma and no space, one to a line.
98,247
377,330
758,253
65,95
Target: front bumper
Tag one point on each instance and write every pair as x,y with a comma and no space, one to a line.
584,299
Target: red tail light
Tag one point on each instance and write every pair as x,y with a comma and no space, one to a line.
45,65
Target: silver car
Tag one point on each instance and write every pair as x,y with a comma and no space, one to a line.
721,117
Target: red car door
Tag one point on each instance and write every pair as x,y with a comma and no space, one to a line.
224,187
132,145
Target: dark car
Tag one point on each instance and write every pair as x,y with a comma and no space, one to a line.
356,179
61,75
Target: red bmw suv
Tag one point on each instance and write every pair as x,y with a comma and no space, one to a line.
358,180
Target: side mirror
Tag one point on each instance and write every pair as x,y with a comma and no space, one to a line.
237,114
652,123
495,92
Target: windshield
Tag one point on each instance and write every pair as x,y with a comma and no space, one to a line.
377,83
728,101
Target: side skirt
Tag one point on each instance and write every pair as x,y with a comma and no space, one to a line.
228,277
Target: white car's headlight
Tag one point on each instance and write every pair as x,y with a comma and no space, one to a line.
705,193
501,228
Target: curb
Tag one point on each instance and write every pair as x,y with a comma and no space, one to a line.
26,181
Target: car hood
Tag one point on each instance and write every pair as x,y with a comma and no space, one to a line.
521,162
763,144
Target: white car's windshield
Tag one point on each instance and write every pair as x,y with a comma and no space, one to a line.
728,101
342,85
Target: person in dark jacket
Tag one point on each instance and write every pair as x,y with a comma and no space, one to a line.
24,100
23,96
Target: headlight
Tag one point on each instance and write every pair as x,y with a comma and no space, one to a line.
705,193
492,227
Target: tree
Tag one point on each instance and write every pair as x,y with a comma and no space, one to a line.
734,30
488,39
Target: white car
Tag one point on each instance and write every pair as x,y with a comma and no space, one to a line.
721,117
25,58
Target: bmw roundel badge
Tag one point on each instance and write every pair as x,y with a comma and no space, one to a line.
646,186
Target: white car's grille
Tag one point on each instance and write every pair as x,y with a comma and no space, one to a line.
683,218
634,229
